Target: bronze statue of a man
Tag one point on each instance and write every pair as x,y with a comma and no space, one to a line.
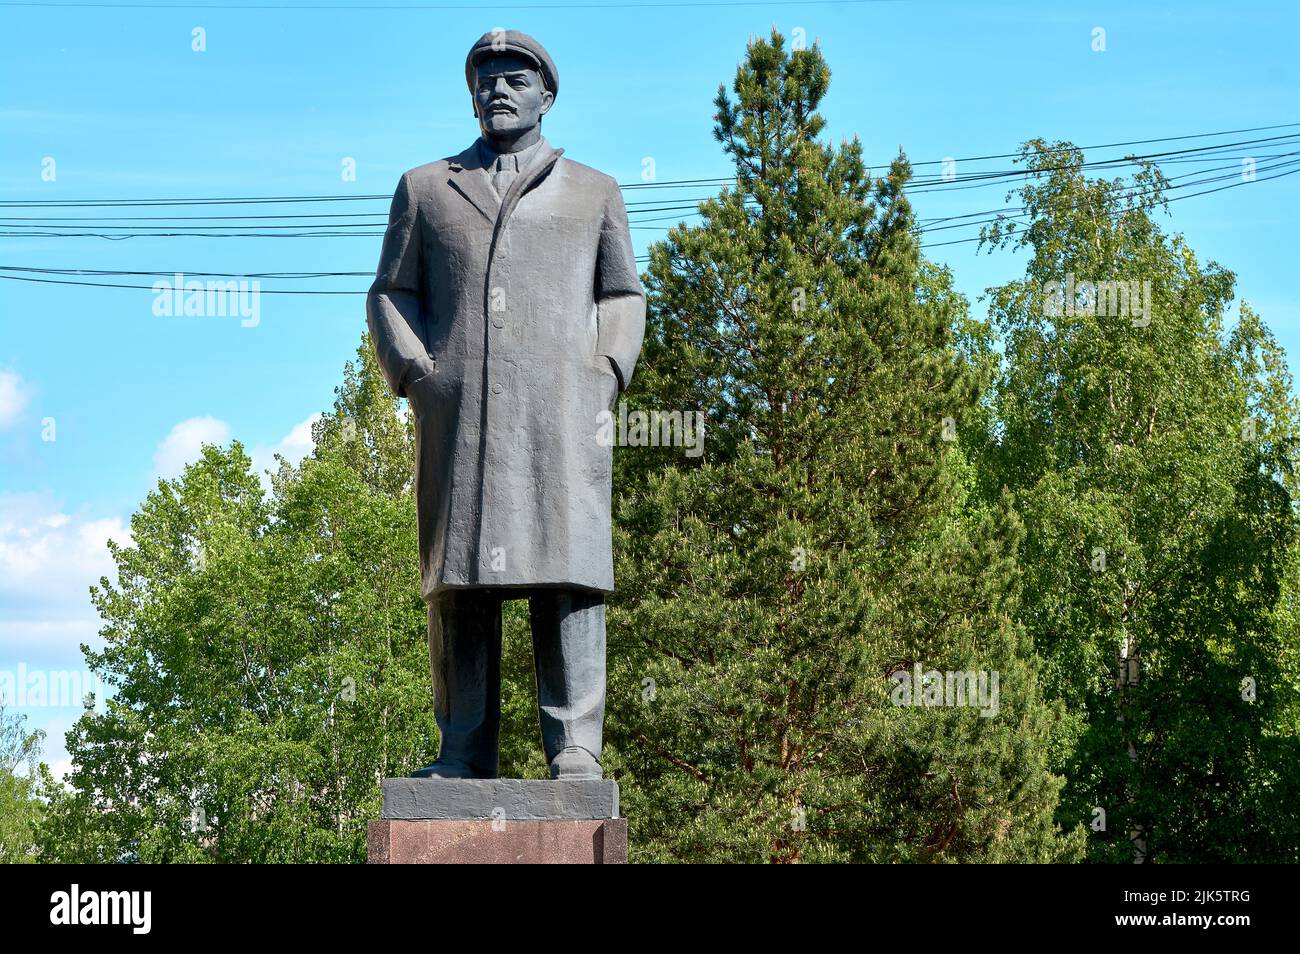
507,309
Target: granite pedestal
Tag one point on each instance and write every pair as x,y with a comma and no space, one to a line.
498,821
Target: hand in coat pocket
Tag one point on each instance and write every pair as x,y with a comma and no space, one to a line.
420,368
610,394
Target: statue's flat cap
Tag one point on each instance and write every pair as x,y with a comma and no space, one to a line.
512,41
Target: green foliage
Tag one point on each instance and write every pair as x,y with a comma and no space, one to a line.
20,808
1152,464
266,654
767,590
1098,510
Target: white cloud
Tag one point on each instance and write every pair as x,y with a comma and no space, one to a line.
185,442
41,545
13,397
36,633
54,753
293,447
54,749
49,559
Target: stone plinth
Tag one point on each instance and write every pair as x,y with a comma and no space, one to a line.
498,821
555,842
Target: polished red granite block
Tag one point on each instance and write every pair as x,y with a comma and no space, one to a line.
548,842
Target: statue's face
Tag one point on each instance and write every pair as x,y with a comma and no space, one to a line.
509,96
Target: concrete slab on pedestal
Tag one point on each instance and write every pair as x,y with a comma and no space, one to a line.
508,799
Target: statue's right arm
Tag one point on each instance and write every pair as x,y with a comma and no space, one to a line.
393,305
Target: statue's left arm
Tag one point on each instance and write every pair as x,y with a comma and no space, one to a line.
393,307
620,300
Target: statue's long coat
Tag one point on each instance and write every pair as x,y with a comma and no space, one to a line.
503,321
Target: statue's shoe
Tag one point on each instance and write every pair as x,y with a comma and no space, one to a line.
441,769
575,762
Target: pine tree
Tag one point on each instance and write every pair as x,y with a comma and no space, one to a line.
826,539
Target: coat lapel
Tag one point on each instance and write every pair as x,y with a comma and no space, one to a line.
543,163
541,166
469,177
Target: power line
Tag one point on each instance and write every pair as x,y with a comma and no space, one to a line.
172,272
131,235
1265,156
1155,157
1115,145
1198,177
638,213
667,183
286,275
1190,195
290,199
353,230
260,291
418,7
933,225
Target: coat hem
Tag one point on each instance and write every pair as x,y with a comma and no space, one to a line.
523,589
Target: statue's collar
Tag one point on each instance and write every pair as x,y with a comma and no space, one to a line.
481,155
478,189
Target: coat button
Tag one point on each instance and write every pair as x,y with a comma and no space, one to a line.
498,323
496,389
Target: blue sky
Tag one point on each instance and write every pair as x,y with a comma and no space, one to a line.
279,98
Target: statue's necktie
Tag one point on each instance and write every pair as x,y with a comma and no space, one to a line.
507,167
